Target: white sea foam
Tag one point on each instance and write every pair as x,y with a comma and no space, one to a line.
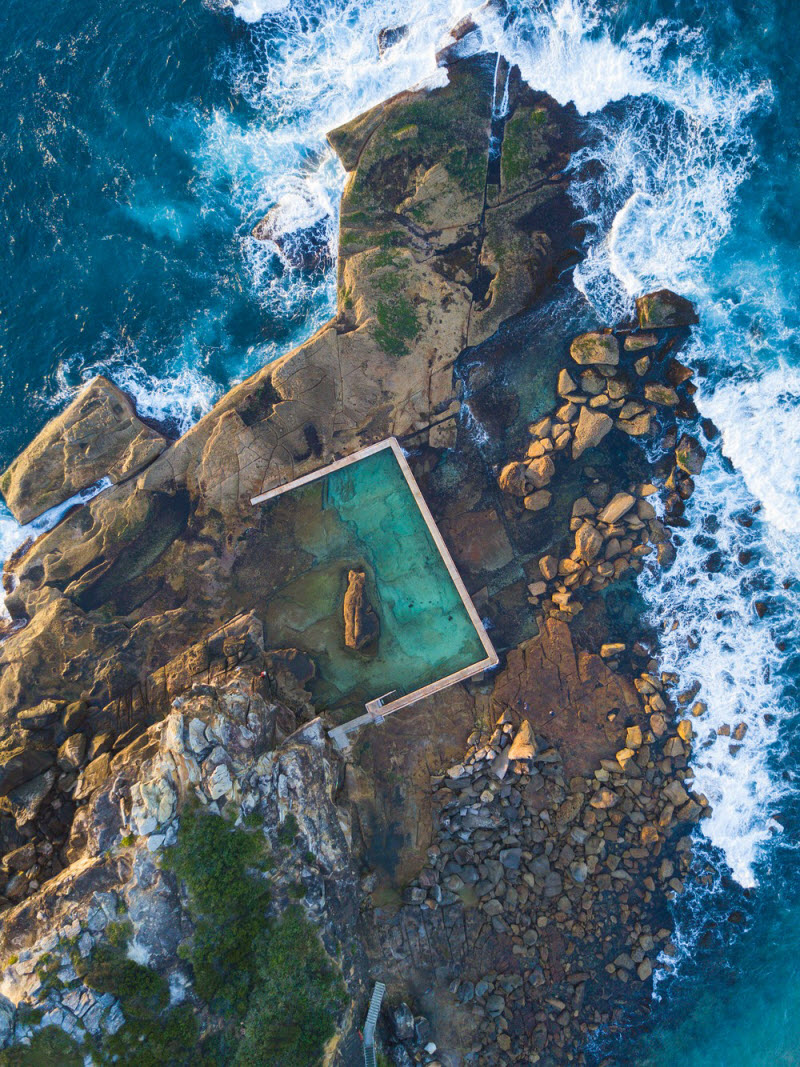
12,535
674,153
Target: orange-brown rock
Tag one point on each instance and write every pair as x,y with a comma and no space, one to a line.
361,625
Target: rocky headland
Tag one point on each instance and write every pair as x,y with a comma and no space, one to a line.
502,854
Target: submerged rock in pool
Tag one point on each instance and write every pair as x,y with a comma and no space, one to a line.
361,626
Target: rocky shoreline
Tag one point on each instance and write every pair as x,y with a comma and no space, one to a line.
503,854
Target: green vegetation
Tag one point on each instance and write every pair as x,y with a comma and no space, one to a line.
294,1002
270,978
48,1047
288,830
523,146
229,899
397,325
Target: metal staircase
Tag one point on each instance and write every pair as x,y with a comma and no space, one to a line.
370,1024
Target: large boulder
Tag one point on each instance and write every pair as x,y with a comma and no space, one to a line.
664,308
97,436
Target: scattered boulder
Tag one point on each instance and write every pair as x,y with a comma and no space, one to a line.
524,744
595,347
664,308
618,506
591,429
690,454
390,36
514,479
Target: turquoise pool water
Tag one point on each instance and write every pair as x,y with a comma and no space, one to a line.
364,516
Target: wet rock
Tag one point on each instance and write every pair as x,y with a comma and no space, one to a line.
389,36
657,393
97,436
594,348
690,454
636,342
664,308
306,246
590,430
361,625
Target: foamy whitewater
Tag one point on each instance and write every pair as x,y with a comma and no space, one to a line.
674,129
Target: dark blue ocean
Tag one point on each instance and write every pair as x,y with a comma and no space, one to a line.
140,143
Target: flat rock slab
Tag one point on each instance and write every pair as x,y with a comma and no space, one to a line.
97,436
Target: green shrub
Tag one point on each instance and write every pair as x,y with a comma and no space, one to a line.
295,999
48,1047
288,830
228,904
141,990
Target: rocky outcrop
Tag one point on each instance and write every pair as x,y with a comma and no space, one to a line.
220,746
97,436
361,625
424,271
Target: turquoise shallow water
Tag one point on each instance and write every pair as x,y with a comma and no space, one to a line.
140,142
364,516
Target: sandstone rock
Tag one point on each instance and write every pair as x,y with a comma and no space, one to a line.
633,737
619,505
657,393
45,714
548,567
19,765
305,247
595,347
642,365
361,625
638,426
664,308
524,744
514,479
588,542
689,454
590,430
97,436
70,755
537,501
604,798
566,384
635,342
609,651
541,471
21,859
93,776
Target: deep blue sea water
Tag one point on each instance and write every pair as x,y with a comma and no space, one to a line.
139,143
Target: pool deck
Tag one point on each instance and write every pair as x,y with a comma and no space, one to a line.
380,707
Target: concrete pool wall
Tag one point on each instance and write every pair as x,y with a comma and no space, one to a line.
367,509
